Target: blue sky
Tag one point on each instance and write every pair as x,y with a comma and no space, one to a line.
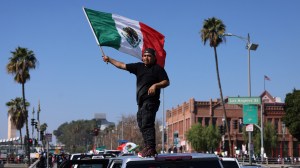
71,81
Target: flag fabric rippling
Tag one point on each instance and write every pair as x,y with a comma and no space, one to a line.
267,78
126,35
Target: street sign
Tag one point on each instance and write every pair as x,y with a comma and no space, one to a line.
48,137
244,100
249,128
250,114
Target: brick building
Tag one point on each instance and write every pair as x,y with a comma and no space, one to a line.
181,118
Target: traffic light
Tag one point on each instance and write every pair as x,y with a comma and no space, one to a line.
235,124
32,122
96,131
221,129
30,141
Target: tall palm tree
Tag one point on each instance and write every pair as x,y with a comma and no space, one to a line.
21,61
212,31
17,117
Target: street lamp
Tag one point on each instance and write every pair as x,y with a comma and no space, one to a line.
249,46
283,138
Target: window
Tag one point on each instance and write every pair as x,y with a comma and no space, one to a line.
207,121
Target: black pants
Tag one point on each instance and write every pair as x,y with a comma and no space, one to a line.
146,121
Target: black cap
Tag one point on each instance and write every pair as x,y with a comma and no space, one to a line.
150,51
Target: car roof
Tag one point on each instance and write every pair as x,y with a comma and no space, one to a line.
79,156
228,159
124,161
250,166
174,155
96,162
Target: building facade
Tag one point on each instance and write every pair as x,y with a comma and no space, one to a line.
180,119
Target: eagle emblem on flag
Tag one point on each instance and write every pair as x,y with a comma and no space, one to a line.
131,36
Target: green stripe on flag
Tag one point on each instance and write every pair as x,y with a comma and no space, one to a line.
104,27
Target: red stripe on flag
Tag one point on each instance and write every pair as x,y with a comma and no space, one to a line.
154,39
267,78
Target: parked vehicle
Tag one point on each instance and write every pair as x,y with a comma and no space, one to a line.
175,160
85,163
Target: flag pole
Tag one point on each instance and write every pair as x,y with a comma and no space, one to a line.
264,83
98,43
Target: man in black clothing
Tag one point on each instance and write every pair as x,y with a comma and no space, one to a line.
150,79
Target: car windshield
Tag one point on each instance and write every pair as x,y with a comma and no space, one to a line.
87,166
230,164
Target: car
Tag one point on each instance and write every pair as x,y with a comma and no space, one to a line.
228,162
174,160
85,163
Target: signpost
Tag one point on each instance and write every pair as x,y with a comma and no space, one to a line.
244,100
249,115
48,139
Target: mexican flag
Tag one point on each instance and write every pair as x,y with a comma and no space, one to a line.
126,35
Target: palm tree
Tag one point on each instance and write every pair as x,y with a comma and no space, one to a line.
43,128
21,61
212,31
15,107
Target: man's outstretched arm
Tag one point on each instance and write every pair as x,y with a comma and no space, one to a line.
114,62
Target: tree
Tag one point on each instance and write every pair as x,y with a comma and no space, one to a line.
270,138
15,107
195,136
212,31
202,138
43,128
292,113
76,140
20,63
213,138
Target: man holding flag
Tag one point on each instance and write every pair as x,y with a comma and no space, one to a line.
141,41
150,79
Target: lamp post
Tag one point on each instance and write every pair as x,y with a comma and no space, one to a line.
283,138
163,123
249,46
